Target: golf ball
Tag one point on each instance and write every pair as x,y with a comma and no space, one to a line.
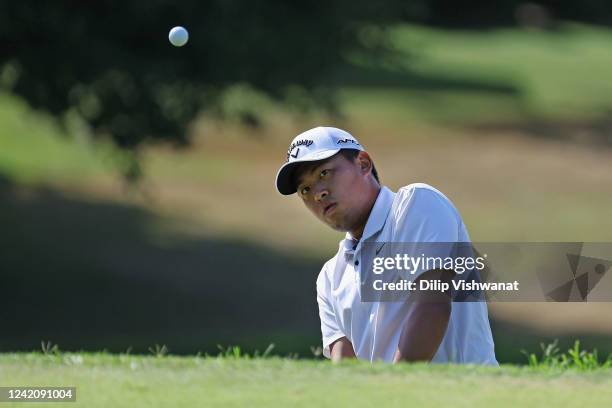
178,36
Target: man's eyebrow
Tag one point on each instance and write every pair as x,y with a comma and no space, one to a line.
312,169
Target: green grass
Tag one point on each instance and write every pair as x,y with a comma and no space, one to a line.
34,147
470,76
104,380
553,358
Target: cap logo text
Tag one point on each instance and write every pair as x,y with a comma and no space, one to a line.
302,142
347,141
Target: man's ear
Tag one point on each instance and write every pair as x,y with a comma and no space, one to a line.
365,162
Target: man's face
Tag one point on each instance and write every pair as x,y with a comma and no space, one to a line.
335,190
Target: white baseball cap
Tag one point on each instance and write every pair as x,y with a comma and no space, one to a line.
315,144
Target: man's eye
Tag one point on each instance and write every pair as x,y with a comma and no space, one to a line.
324,172
304,190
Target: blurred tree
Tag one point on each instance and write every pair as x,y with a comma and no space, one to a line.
486,13
112,62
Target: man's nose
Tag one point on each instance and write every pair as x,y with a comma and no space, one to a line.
321,194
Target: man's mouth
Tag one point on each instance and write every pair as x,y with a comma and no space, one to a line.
329,208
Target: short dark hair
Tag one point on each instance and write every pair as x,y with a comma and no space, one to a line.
351,154
348,154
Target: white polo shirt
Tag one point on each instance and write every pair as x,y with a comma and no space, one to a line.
416,213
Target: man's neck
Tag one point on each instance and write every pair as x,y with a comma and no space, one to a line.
357,233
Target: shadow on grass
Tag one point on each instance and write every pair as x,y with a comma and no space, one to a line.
398,76
90,275
593,132
93,275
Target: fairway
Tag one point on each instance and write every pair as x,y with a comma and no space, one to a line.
105,380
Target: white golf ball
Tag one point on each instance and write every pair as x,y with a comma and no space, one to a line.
178,36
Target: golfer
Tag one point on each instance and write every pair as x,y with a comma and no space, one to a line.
337,181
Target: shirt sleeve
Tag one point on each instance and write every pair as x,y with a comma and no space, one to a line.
330,329
427,223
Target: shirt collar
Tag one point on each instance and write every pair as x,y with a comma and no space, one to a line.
378,215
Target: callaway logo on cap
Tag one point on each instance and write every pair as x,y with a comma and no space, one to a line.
315,144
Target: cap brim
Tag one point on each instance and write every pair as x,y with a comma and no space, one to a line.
284,177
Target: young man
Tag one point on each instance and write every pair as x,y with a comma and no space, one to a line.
337,181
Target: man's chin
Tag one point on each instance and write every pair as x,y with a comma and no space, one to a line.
337,226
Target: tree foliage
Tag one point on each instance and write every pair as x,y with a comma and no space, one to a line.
112,62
